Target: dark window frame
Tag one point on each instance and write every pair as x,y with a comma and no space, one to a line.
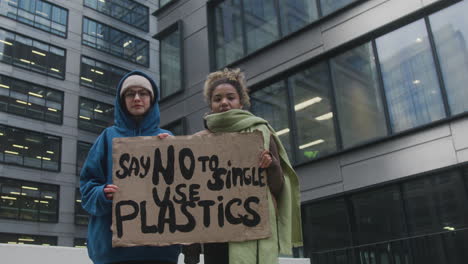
59,162
45,88
77,144
368,37
177,26
211,25
40,184
147,65
77,209
18,237
52,4
181,121
45,43
109,15
164,7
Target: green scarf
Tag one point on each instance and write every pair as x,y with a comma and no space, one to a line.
286,226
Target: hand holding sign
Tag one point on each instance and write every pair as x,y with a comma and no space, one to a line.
189,189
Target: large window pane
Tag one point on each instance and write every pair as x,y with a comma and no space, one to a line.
9,238
261,23
127,11
450,29
115,42
94,116
436,203
296,14
177,127
81,216
326,226
36,13
82,150
30,100
31,149
314,116
330,6
100,75
30,201
170,63
410,80
358,99
379,215
228,36
271,103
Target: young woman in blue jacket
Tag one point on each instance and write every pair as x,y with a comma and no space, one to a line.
136,113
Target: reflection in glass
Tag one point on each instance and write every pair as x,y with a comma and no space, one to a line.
228,37
410,80
129,12
39,14
330,6
261,23
30,100
436,203
94,116
358,99
171,67
115,42
450,30
314,116
296,14
100,75
325,226
379,215
271,103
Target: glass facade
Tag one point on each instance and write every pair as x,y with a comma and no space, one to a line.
100,76
30,100
81,216
115,42
417,221
30,201
244,26
29,149
80,242
82,150
94,116
177,127
127,11
10,238
36,13
170,60
31,54
385,86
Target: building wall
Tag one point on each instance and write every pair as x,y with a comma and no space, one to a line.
65,229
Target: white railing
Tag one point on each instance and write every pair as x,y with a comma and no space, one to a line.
26,254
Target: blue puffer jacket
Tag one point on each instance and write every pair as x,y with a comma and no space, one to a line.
97,172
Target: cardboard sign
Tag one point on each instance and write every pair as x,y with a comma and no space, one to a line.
189,189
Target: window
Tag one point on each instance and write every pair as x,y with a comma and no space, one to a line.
170,60
313,112
30,100
271,103
422,220
29,149
30,201
129,12
178,127
241,27
100,76
358,99
32,54
10,238
115,42
409,76
94,116
450,34
36,13
81,216
80,242
82,150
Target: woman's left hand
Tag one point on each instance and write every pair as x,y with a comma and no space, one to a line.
163,135
265,159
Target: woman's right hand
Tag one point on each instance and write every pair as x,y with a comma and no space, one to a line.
109,191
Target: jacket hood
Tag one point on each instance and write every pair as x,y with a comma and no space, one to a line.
124,123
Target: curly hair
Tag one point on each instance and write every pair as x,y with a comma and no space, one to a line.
235,77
